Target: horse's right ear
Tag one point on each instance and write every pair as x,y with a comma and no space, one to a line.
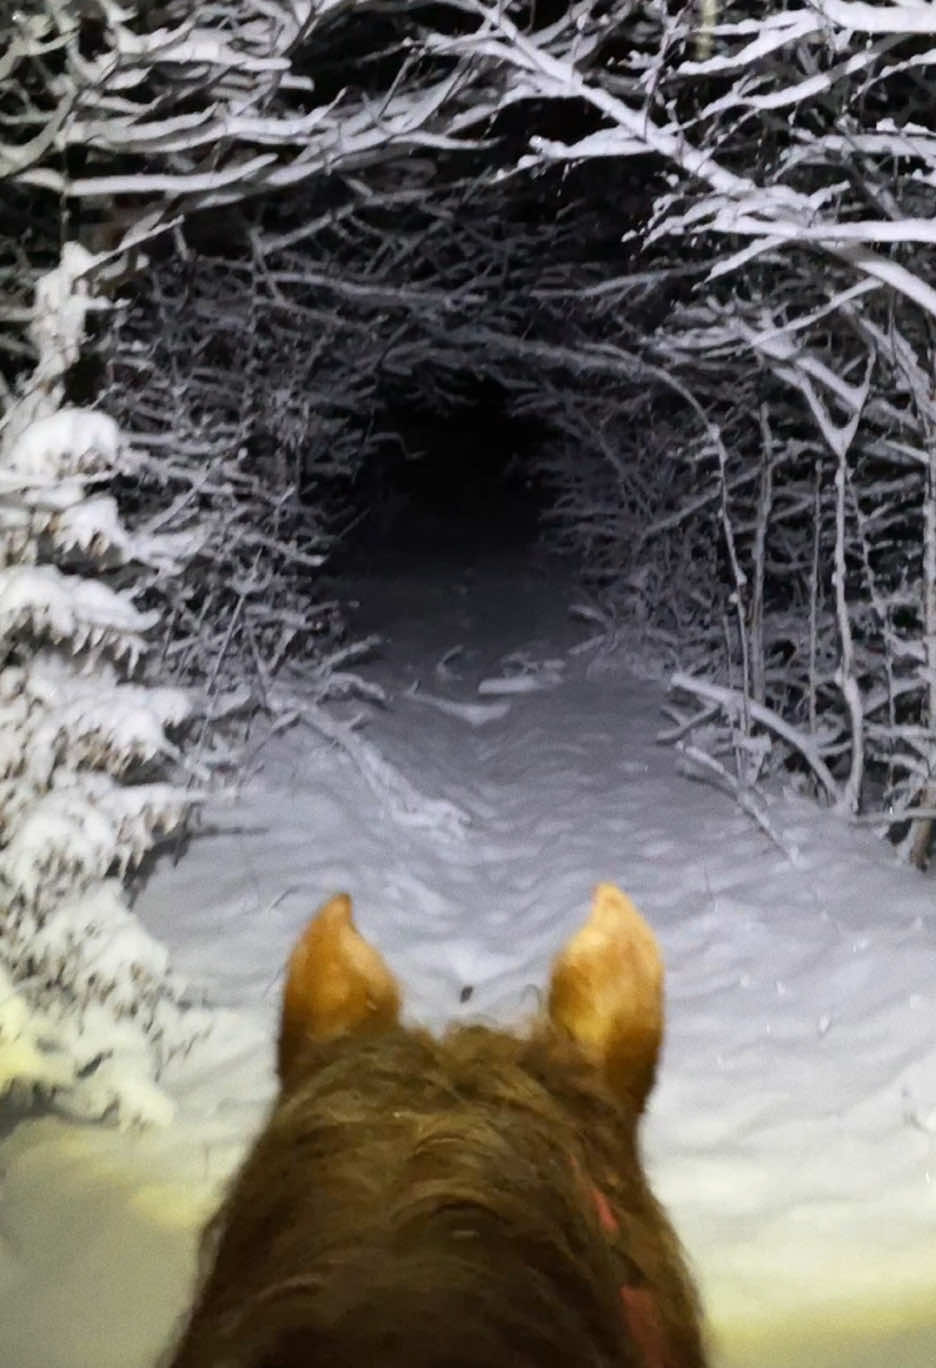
336,983
606,993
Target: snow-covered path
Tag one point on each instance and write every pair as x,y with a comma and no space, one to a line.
794,1130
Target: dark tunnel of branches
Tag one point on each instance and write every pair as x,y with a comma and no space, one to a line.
669,263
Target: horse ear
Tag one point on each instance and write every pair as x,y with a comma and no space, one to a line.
606,992
336,983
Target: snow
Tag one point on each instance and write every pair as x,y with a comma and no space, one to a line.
94,715
68,606
68,442
22,1056
793,1131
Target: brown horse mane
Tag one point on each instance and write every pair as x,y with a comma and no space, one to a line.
425,1202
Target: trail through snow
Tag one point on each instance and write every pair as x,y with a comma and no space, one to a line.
793,1132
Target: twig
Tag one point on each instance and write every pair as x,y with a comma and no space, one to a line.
685,724
744,796
732,704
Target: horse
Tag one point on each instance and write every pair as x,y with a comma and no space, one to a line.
470,1200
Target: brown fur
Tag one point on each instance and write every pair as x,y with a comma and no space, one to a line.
424,1203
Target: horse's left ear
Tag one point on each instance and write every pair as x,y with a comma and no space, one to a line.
606,993
336,983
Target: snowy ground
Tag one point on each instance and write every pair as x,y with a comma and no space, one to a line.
793,1134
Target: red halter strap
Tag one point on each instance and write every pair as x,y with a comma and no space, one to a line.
637,1303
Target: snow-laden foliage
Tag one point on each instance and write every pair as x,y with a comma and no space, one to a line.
762,486
302,331
109,519
244,423
157,129
89,1009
